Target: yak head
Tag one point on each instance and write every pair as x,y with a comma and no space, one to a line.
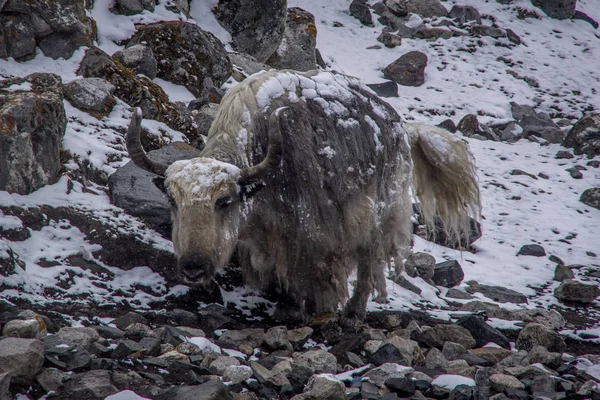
208,198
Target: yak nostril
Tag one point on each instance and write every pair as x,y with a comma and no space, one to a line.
191,272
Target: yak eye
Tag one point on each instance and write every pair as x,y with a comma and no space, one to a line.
223,202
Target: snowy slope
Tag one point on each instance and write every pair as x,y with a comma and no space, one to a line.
561,55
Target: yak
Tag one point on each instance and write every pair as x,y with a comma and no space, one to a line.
307,178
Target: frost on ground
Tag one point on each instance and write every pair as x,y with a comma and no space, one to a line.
465,75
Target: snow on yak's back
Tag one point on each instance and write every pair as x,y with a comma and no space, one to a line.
309,193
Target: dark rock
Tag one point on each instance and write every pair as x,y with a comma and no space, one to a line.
453,293
91,385
185,53
426,8
297,49
17,37
79,361
125,348
534,250
440,334
448,274
591,197
21,358
448,125
320,361
469,125
33,125
408,70
575,173
359,9
299,376
389,40
433,33
422,263
577,292
435,360
93,95
499,293
127,7
536,124
234,338
564,155
563,273
139,58
387,353
406,284
108,332
482,332
150,346
123,321
402,386
558,9
464,14
134,190
484,30
385,89
584,17
537,334
256,27
513,37
51,379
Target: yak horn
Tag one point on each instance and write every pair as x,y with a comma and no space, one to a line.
135,149
274,152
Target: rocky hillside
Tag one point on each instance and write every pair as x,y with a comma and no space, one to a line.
90,306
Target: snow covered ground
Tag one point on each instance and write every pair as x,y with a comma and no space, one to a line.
517,209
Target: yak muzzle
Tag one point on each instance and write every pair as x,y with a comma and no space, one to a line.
198,273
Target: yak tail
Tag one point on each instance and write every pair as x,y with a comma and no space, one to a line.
444,181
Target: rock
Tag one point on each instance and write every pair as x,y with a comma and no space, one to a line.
563,155
125,348
21,358
464,14
448,125
484,30
501,382
448,274
435,360
389,40
211,390
402,386
408,70
256,26
532,250
406,284
584,17
385,89
498,293
77,337
536,124
453,350
298,45
276,338
123,321
33,125
422,263
320,361
299,336
563,273
397,7
233,338
127,7
137,91
584,137
189,349
577,292
150,346
323,388
591,197
246,65
92,385
387,353
453,293
440,334
185,53
469,125
492,354
359,9
539,354
17,37
482,332
133,189
237,374
534,334
557,9
25,329
378,376
52,379
426,8
433,33
139,58
409,349
221,364
93,95
137,331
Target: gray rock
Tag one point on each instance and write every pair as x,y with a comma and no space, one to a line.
33,124
21,358
139,58
464,14
539,354
299,336
137,331
422,263
484,30
577,292
408,70
426,8
297,48
564,155
469,125
237,374
440,334
134,190
25,329
185,53
453,293
125,348
189,349
498,293
409,349
453,350
448,274
387,353
433,33
246,64
92,385
536,124
591,197
359,9
532,250
389,40
563,273
17,37
256,27
320,361
276,338
379,375
91,94
398,7
501,382
150,346
221,364
584,137
482,332
52,379
323,388
123,321
534,334
493,355
401,386
127,7
558,9
5,385
232,339
435,360
385,89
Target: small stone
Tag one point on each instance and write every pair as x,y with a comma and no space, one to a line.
575,173
237,373
125,348
440,334
422,263
299,336
21,358
435,360
564,155
77,337
577,292
385,89
537,334
387,353
492,354
482,332
319,360
452,350
91,385
501,382
276,338
389,39
563,273
401,386
408,70
233,338
125,320
379,375
448,274
469,125
219,365
321,388
150,346
137,331
189,349
532,250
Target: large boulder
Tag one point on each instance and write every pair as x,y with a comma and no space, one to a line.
137,91
32,125
584,137
133,189
256,26
408,70
298,47
558,9
22,358
186,54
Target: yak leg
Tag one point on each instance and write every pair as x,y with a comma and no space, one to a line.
356,308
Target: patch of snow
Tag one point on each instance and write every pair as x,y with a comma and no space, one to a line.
452,381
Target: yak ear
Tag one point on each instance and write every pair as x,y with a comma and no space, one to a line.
249,189
159,181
